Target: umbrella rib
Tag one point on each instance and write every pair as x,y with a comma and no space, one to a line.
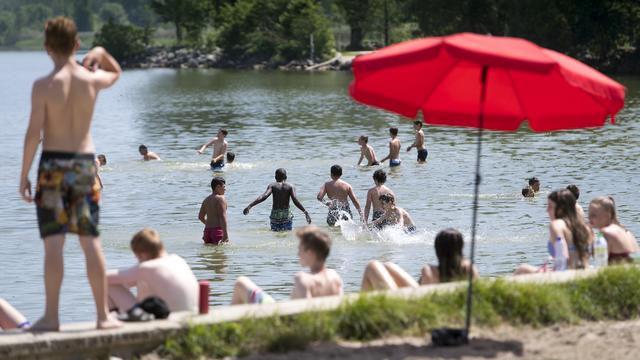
444,75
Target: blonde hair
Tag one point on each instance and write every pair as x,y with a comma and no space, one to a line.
147,241
607,204
60,35
315,239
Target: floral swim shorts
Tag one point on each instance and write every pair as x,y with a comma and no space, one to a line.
67,194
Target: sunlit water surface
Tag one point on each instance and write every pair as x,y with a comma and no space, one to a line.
304,122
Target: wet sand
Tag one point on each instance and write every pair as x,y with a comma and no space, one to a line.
589,340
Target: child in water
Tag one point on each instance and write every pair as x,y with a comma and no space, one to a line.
620,242
213,214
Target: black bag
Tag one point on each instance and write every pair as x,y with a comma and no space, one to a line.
449,337
156,306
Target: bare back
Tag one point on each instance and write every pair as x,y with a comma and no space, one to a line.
212,207
325,283
281,192
219,148
69,96
394,148
337,190
374,195
419,140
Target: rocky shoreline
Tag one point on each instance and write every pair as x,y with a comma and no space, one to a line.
186,58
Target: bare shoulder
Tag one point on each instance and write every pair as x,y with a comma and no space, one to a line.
557,225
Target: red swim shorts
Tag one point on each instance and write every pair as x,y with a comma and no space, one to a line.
213,235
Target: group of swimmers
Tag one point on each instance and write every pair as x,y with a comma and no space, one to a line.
67,199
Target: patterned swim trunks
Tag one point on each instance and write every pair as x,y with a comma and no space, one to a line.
67,194
281,219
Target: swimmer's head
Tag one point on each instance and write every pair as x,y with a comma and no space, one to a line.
393,131
363,140
230,157
143,149
223,132
574,190
102,159
417,124
61,36
534,183
379,176
336,171
218,185
315,242
528,192
146,244
281,175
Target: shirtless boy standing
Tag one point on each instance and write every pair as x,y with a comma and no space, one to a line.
281,216
146,154
339,193
373,195
67,193
394,149
418,143
313,251
213,214
219,150
366,151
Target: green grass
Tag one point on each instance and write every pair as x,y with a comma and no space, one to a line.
613,294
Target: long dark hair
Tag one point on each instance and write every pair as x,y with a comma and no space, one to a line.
449,244
566,210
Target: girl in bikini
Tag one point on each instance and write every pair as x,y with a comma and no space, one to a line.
620,241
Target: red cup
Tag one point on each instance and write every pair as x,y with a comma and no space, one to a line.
203,304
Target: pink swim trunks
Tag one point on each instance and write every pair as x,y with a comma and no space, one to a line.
213,235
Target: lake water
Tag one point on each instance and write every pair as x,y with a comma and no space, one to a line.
305,123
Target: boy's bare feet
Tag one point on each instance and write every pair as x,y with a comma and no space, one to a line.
109,323
45,324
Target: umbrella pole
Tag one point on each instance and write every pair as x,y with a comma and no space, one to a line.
476,190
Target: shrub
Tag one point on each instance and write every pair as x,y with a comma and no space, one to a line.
122,41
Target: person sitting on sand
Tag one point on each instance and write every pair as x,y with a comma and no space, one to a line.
418,143
566,227
167,276
339,192
393,215
219,149
451,267
313,250
231,157
281,216
146,154
213,214
373,196
576,193
394,149
11,318
366,151
620,241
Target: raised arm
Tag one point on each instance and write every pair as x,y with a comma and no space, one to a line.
105,68
32,138
201,150
297,203
260,199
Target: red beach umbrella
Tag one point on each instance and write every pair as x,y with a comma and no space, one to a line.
485,82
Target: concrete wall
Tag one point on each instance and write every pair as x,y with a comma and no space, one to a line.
82,340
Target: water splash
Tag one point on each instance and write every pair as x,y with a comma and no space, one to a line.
353,231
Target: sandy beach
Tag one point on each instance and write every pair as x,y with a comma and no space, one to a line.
588,340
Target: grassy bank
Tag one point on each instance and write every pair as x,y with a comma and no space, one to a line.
612,294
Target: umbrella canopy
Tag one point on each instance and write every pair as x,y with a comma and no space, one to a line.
440,77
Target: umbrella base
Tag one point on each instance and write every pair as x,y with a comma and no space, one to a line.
449,337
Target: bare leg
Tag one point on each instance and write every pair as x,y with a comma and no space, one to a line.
121,298
97,278
241,290
376,277
400,277
53,272
10,318
525,269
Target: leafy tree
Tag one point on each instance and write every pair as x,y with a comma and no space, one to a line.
122,41
187,15
82,15
8,34
358,15
113,12
33,15
300,20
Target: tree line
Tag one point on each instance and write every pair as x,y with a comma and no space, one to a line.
604,33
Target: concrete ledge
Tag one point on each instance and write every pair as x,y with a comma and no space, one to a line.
82,340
